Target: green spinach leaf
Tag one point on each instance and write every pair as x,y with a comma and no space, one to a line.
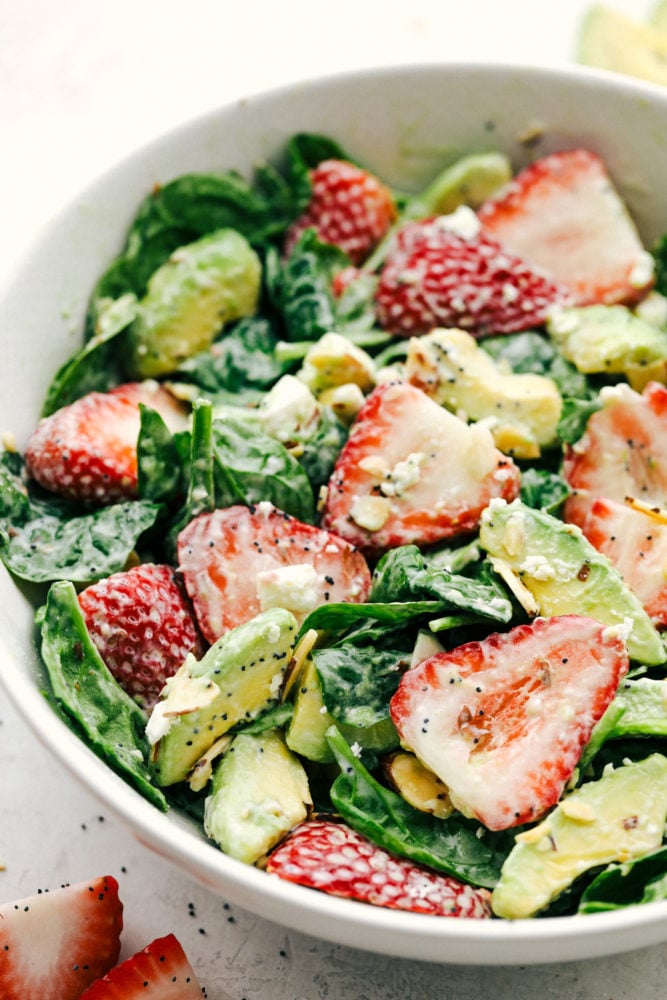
448,845
87,694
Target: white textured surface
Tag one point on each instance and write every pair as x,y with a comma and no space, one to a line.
81,85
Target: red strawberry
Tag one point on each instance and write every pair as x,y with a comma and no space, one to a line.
503,722
326,855
563,214
143,626
623,452
238,561
55,944
411,472
440,272
349,207
635,542
160,972
88,450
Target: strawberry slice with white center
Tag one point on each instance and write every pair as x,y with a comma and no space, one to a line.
448,272
161,971
241,560
331,857
143,627
88,449
412,472
563,215
635,542
623,452
503,722
55,944
349,207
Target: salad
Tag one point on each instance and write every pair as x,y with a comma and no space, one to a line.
348,523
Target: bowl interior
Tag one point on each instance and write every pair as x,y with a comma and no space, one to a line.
406,124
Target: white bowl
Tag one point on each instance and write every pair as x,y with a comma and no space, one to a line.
405,123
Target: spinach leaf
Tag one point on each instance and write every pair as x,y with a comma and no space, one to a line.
239,367
574,418
320,449
338,617
41,541
448,845
87,694
97,366
531,352
200,495
358,682
161,458
627,884
250,466
186,208
404,575
659,251
301,287
543,490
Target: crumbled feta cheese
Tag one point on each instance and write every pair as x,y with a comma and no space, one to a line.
296,588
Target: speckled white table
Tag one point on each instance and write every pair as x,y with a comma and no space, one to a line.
81,85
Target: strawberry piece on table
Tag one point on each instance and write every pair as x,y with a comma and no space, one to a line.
563,214
55,944
143,626
412,472
88,449
448,272
502,722
635,542
623,452
241,560
330,856
161,971
349,207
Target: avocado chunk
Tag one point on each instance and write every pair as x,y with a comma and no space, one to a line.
236,680
189,299
470,180
259,792
642,705
610,339
521,410
551,564
306,733
619,817
610,40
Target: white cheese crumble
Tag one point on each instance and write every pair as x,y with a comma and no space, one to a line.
296,588
462,221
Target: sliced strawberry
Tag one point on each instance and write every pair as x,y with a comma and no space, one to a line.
88,450
349,207
238,561
623,452
330,856
55,944
160,972
143,626
563,214
447,272
411,472
635,542
502,722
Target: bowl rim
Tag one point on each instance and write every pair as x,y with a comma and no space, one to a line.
423,937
